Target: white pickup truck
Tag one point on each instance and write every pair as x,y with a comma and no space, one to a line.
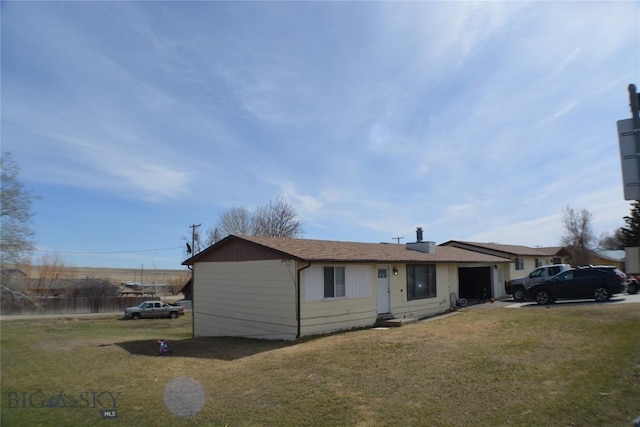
154,310
518,287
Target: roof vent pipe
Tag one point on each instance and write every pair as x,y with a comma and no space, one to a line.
419,234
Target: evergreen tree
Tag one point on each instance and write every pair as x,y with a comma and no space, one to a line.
631,233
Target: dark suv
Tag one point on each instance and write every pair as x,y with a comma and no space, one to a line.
598,282
518,287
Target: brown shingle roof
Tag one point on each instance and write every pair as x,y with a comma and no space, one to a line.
327,250
507,249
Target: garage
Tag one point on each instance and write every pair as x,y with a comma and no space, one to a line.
472,281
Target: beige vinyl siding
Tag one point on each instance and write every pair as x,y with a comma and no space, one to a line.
252,299
529,265
356,309
357,281
313,286
446,280
498,280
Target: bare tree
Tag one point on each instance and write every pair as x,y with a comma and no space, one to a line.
53,273
237,220
177,282
578,238
214,235
50,276
16,234
277,219
52,266
612,242
92,288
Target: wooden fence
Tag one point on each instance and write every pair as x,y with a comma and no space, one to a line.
13,306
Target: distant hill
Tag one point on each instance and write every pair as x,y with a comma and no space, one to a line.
118,275
128,274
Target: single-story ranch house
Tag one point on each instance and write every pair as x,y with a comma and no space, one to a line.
524,259
277,288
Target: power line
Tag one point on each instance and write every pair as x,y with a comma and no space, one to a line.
108,252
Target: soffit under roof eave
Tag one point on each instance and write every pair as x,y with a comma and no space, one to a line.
401,261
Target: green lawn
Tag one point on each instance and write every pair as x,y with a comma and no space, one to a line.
568,366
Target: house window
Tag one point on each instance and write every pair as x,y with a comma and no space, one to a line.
334,283
519,264
421,281
538,263
557,260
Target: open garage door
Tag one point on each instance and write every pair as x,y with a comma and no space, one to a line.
473,282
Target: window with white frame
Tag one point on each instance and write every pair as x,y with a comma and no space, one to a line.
421,281
519,264
538,263
334,282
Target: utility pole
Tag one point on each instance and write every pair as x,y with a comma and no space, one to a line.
193,279
193,237
397,239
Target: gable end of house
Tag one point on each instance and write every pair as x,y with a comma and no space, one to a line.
234,249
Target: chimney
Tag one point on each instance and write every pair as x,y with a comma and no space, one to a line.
420,246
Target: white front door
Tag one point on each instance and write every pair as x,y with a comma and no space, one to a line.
384,305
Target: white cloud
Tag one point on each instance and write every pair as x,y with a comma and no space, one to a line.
124,172
476,120
558,114
308,207
543,231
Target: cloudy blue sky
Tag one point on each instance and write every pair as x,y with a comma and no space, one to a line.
477,121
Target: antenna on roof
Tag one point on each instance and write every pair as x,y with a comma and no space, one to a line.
397,239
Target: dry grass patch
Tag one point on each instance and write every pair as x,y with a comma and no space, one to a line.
567,366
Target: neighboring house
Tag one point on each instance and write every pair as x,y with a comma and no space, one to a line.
12,276
615,258
187,289
525,259
13,273
278,288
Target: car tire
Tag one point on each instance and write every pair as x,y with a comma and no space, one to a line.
543,297
518,294
601,294
135,316
633,287
173,315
